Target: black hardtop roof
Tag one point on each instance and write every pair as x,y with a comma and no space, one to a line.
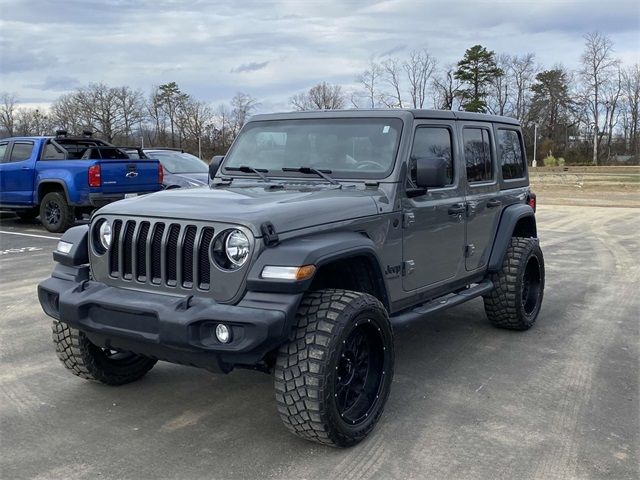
391,112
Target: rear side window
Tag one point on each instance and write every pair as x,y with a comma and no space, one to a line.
477,155
21,151
3,150
51,152
432,142
510,154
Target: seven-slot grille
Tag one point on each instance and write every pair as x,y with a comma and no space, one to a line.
160,253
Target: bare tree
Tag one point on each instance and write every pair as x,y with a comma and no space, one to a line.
370,79
419,67
131,104
8,113
33,121
242,105
322,96
523,72
597,66
392,71
631,106
501,85
447,88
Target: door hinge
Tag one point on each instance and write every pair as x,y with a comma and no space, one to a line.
408,219
408,266
469,250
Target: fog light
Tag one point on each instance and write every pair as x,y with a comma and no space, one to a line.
223,333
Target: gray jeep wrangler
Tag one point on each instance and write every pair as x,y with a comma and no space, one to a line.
319,234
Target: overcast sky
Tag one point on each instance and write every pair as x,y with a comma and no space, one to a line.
273,49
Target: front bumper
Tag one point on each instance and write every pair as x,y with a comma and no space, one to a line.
179,329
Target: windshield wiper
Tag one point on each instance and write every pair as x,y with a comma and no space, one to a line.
320,173
246,169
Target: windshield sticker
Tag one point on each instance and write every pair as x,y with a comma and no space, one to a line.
385,129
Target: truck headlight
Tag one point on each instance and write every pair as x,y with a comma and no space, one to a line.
237,248
104,234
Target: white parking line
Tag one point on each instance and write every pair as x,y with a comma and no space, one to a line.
29,235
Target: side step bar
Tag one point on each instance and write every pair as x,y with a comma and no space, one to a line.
419,312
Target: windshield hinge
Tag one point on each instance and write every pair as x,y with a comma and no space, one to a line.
269,233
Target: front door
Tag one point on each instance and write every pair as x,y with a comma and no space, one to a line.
484,203
434,223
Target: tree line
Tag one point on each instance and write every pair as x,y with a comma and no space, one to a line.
587,115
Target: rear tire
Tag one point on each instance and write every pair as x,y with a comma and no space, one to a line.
333,379
56,214
515,301
88,361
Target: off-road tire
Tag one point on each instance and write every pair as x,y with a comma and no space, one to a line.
28,214
504,305
65,217
88,361
306,372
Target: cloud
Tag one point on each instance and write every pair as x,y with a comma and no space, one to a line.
250,67
56,84
393,50
214,49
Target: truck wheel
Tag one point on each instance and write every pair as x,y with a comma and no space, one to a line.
515,301
56,214
28,214
91,362
333,378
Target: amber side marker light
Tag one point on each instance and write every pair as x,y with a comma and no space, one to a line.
288,273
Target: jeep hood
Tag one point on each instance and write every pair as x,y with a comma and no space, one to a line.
287,210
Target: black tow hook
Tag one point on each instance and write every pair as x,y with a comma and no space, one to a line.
184,304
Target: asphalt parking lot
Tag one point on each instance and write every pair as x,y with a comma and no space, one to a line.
467,401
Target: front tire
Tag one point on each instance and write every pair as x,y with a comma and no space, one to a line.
88,361
333,378
515,301
56,214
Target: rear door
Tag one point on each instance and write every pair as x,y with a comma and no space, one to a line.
17,172
484,204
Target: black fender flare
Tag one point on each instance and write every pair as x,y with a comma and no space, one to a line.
319,249
48,181
511,215
78,255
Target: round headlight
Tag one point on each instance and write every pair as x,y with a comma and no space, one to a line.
104,234
237,248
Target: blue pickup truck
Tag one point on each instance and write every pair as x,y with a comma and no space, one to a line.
63,177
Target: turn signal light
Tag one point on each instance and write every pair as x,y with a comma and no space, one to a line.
288,273
94,176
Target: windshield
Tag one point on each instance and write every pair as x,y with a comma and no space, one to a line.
177,162
348,148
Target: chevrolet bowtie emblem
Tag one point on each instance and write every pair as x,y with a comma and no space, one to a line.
132,174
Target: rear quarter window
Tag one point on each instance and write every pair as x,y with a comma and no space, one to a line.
510,154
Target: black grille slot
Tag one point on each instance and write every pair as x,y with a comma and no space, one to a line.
114,257
156,253
204,267
187,256
172,254
127,250
141,252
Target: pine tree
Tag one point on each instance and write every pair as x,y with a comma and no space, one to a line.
477,69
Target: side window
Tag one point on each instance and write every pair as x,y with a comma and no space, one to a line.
510,154
51,152
3,150
432,142
477,155
21,151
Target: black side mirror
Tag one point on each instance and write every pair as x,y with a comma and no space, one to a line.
214,166
431,172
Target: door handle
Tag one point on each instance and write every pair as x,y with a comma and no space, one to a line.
457,209
26,168
493,203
